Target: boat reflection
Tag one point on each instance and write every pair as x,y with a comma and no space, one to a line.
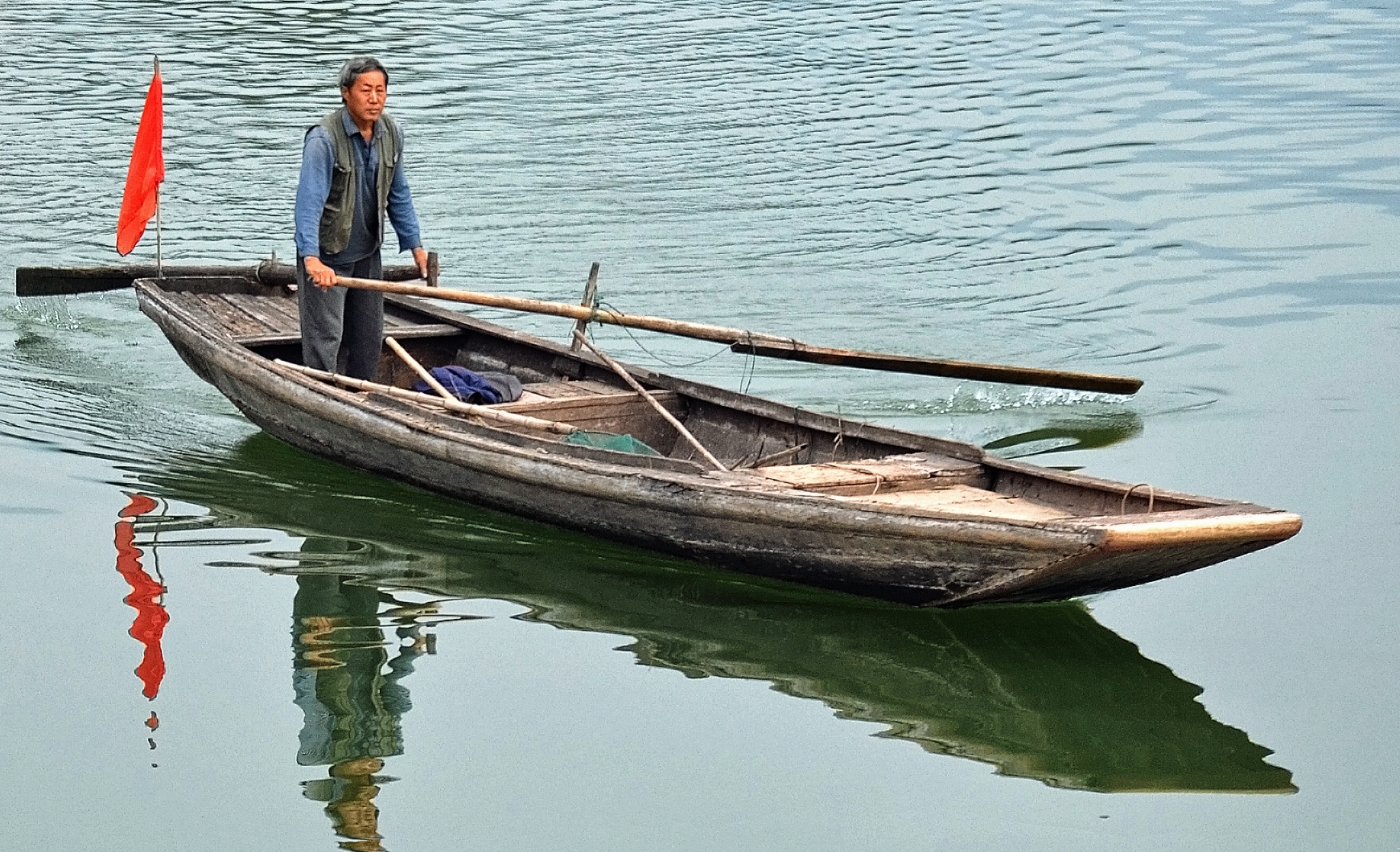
1039,691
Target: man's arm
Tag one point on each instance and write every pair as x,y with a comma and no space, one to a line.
313,187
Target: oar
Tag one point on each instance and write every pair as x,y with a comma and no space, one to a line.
773,346
71,280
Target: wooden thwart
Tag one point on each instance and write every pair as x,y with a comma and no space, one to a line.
451,404
970,501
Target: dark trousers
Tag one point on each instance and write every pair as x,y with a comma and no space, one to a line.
342,329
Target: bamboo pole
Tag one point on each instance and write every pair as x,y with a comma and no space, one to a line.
418,368
661,409
772,346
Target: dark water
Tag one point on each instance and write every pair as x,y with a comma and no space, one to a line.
1200,194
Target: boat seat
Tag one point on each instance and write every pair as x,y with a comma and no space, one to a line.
574,389
866,477
966,500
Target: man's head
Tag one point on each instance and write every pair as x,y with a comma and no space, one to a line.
364,85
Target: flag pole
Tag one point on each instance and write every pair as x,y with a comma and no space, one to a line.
160,267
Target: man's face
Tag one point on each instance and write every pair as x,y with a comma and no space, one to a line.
365,97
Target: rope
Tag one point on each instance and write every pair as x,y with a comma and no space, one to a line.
643,347
750,368
1151,496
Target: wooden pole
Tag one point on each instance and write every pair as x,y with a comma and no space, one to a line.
590,300
661,409
561,309
434,268
772,346
160,261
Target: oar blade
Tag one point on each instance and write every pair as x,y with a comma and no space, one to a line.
71,280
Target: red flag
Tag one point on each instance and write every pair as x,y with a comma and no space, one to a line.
146,171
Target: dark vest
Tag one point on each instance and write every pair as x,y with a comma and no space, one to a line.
338,215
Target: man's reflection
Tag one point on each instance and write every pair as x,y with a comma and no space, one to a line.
350,692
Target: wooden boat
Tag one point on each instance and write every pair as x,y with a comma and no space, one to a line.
805,497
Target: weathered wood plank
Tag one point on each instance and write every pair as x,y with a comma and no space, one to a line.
213,310
407,332
593,405
965,500
269,322
280,315
581,388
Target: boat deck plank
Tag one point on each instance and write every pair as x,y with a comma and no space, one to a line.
278,315
966,500
873,476
573,389
214,311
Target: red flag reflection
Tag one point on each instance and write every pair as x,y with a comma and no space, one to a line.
151,616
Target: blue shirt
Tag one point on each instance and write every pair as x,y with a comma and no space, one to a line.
314,186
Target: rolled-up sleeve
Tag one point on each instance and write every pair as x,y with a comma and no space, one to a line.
314,186
401,213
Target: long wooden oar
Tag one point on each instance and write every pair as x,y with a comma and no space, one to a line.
772,346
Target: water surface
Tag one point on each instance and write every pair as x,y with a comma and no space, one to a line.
1202,195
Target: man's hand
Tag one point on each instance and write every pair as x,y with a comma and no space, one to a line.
320,274
420,257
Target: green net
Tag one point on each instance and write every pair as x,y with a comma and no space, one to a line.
609,441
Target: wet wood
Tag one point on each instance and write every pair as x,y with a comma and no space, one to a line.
793,350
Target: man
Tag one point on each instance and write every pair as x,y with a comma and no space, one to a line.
352,175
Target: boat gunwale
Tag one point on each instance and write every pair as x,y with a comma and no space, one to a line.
1120,525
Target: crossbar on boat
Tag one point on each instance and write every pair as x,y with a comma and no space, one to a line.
481,411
